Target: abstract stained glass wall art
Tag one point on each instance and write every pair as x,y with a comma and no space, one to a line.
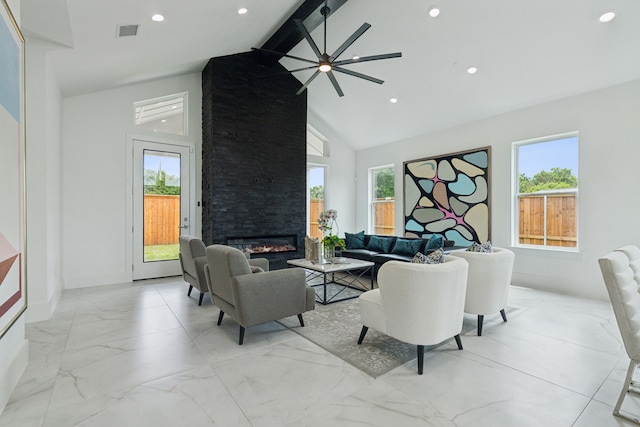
12,278
449,195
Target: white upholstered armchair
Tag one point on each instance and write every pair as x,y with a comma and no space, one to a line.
621,274
421,304
488,282
254,297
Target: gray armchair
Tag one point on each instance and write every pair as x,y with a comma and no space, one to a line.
192,260
254,298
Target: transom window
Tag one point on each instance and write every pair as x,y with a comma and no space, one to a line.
317,144
167,114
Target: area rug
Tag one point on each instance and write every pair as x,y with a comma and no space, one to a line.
336,328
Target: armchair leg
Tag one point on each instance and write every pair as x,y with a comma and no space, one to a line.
363,332
220,317
200,301
504,315
420,359
629,387
241,338
190,289
480,321
301,320
458,341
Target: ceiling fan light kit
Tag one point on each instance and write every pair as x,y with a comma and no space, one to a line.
326,63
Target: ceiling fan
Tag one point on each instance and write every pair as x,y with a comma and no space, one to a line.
328,63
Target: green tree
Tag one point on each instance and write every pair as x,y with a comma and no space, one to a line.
317,192
384,183
557,178
156,183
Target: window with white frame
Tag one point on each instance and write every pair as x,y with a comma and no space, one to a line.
166,114
382,200
546,192
317,144
315,198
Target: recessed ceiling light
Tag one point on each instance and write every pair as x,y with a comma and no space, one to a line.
393,100
157,17
472,70
163,121
434,11
607,16
355,57
242,11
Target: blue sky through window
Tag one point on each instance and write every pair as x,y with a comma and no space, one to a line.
558,153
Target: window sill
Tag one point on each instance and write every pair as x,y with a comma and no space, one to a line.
549,251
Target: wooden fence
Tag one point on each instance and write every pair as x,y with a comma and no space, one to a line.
561,220
315,208
384,214
161,219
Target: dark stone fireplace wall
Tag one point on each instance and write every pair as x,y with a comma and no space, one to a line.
253,153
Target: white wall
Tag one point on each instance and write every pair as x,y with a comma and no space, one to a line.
608,174
44,214
340,179
94,179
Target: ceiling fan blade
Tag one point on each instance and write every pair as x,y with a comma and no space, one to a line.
307,36
273,52
309,80
315,67
302,69
360,31
362,76
335,84
368,58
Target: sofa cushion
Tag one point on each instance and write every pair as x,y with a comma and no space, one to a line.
380,244
435,257
435,241
355,240
407,246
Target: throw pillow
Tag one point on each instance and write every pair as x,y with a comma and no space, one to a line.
477,247
355,240
406,246
380,244
435,257
435,241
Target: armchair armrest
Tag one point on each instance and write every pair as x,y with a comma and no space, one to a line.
269,296
200,263
262,263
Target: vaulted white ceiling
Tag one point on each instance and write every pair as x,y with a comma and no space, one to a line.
527,52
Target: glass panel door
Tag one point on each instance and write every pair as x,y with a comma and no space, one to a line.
161,207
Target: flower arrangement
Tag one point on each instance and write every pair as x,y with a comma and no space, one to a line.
327,222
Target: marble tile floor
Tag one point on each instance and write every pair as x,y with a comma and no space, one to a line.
145,354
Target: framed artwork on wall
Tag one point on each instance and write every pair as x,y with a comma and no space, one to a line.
449,195
13,297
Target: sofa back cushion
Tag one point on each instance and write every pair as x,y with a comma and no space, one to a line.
435,241
355,240
380,244
407,247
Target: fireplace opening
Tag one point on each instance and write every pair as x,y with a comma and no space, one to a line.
263,244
